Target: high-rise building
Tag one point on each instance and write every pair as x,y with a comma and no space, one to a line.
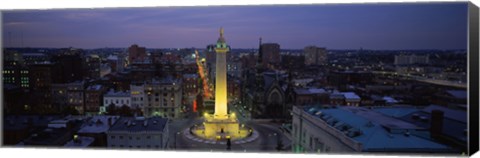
68,65
92,66
411,59
136,54
116,62
15,74
271,54
41,75
315,55
41,78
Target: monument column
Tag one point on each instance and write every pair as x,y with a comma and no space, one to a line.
221,50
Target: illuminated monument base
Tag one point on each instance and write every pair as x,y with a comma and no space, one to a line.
221,129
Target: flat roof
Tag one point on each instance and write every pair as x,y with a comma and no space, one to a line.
458,115
309,90
98,124
374,135
133,124
350,95
396,111
112,93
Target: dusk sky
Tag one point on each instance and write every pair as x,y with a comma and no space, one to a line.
342,26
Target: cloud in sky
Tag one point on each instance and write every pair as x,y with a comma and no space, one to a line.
373,26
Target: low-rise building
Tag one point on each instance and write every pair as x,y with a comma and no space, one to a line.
309,96
118,99
163,98
96,127
94,98
356,129
139,133
137,93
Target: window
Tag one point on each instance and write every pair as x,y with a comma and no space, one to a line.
148,137
113,137
121,137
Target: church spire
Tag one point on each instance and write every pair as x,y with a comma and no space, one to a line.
260,53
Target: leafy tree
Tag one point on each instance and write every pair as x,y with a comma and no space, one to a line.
125,111
70,110
111,109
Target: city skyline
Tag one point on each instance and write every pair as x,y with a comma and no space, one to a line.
352,26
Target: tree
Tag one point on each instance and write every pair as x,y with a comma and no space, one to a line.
111,109
125,111
70,110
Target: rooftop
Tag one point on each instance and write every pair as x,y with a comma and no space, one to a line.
112,57
112,93
306,91
94,87
458,115
350,95
454,121
98,124
376,132
16,122
458,93
137,124
166,81
396,111
81,142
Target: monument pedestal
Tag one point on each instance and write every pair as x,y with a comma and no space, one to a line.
221,128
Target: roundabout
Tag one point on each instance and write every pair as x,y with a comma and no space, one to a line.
189,134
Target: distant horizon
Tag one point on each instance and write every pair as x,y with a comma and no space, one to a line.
364,49
415,26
